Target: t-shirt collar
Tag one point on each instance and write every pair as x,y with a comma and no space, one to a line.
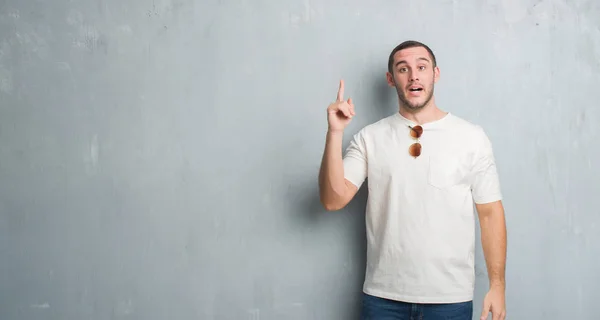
431,124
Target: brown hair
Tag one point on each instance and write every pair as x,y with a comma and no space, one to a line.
406,45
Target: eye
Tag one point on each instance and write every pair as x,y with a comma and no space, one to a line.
403,69
421,67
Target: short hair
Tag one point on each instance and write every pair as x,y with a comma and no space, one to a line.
410,44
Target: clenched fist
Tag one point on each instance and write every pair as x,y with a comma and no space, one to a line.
340,112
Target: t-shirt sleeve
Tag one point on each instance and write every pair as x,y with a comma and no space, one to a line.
355,161
486,183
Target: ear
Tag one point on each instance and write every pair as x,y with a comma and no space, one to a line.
390,79
436,74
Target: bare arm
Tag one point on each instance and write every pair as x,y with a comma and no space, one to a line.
493,240
486,187
334,190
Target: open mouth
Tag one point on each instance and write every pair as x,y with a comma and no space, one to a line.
415,89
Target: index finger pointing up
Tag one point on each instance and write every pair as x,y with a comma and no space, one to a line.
340,95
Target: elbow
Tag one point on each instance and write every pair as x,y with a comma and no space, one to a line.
333,200
331,205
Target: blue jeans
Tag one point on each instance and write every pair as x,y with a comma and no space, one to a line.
375,308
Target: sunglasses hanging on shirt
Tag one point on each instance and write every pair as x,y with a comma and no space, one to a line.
415,149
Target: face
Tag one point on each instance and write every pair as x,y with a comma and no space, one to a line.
413,77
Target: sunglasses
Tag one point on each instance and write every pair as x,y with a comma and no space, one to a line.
415,149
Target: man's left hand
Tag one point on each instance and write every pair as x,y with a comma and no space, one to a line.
494,303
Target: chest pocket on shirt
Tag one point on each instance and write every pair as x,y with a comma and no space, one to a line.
448,170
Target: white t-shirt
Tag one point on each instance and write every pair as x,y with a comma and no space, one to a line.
420,216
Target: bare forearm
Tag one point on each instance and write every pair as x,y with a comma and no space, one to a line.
332,184
493,240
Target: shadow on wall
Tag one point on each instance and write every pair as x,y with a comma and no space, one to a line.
348,225
353,217
379,97
383,98
379,100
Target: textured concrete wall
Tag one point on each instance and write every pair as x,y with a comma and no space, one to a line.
158,159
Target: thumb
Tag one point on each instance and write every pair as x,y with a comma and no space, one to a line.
485,311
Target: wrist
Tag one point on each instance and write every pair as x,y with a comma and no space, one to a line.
497,284
334,132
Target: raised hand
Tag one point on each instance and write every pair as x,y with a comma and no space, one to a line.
340,112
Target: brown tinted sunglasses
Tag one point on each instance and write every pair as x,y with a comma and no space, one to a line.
415,149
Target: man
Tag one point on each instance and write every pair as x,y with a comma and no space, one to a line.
425,168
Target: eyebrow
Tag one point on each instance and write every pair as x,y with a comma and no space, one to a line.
404,61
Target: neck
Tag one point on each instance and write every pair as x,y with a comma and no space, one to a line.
429,113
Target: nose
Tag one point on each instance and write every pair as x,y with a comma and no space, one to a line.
413,76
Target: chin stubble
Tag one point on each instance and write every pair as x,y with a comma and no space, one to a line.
410,106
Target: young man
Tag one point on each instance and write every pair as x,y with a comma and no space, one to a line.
425,168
